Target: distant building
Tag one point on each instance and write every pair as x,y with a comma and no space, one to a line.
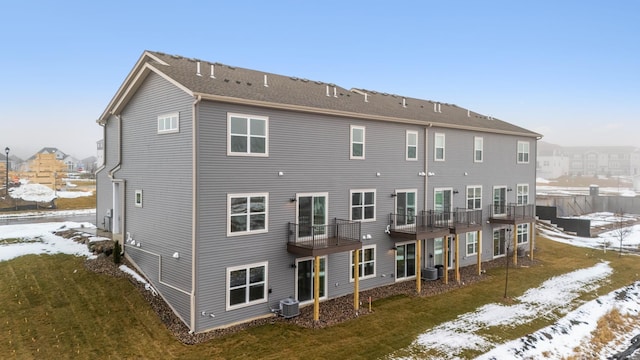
100,152
555,161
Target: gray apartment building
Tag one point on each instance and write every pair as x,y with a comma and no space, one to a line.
236,191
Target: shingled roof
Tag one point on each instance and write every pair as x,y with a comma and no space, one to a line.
219,82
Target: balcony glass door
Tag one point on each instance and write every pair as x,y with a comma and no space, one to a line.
500,200
442,205
312,215
405,208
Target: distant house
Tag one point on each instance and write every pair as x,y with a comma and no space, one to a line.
238,192
555,160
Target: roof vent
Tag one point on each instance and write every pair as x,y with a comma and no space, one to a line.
266,84
468,113
328,90
404,102
439,108
435,107
212,72
366,97
198,68
335,92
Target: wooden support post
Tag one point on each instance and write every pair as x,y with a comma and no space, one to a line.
457,258
479,252
316,288
532,239
356,280
446,259
515,245
419,268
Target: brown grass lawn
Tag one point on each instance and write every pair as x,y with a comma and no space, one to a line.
52,308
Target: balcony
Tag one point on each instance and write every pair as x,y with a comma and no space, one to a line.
512,214
318,240
429,224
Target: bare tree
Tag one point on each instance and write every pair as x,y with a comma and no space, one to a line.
622,231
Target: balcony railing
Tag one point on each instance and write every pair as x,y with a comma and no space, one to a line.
512,212
307,239
466,218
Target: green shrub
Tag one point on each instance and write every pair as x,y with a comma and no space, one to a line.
116,252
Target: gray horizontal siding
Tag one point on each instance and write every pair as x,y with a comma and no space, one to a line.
160,165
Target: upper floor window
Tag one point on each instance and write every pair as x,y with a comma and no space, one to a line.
138,198
363,205
412,145
246,285
357,142
474,197
439,147
247,213
248,135
523,152
522,194
168,123
478,145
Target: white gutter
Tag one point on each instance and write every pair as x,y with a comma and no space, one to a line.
194,209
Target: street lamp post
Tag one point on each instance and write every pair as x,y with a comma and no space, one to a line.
6,179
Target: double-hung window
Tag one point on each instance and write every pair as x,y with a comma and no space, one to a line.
474,197
363,205
367,261
523,233
478,149
168,123
246,285
412,145
357,142
439,147
472,243
248,135
522,194
247,213
523,152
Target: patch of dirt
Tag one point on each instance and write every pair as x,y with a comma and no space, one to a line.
332,312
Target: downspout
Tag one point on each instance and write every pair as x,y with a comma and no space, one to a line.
194,209
117,167
426,182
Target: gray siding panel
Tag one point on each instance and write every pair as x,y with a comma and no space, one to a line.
313,153
160,165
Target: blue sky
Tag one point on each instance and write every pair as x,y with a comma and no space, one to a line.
567,69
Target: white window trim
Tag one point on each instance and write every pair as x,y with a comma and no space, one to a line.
467,243
351,142
375,262
507,240
411,132
475,149
363,191
163,117
248,268
395,263
435,147
266,214
395,203
467,196
138,198
248,153
326,277
518,233
443,189
528,152
518,186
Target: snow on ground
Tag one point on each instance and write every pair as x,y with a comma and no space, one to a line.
25,239
554,300
42,193
45,213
